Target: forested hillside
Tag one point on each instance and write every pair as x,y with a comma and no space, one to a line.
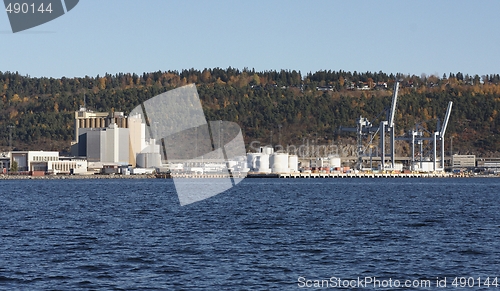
39,111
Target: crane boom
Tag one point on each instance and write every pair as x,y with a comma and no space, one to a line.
393,104
446,118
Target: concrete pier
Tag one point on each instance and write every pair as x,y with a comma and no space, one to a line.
350,175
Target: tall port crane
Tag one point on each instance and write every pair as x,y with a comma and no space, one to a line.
388,126
416,136
441,135
365,128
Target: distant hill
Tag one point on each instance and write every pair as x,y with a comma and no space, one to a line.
293,107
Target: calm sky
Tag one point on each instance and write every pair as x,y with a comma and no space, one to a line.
136,36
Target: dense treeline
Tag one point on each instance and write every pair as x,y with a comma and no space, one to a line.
40,111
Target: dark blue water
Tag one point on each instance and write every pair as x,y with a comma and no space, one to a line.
261,235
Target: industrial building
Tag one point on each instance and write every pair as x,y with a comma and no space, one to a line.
114,139
463,161
88,119
267,161
67,167
33,160
489,165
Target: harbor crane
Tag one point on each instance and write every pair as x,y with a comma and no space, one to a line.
389,126
416,136
365,127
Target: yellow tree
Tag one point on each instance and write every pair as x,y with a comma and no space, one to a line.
206,77
102,83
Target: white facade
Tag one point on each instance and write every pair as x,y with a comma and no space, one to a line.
177,167
425,167
67,167
335,162
140,147
29,160
115,145
141,171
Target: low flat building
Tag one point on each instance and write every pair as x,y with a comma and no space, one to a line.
67,167
33,160
463,161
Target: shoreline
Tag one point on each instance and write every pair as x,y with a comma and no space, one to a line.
75,177
251,176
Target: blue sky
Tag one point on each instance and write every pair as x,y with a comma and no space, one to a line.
132,36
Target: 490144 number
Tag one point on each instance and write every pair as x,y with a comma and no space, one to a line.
28,8
475,282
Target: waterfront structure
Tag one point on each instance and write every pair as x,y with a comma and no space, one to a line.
67,167
489,165
114,138
87,121
463,161
33,160
114,145
4,163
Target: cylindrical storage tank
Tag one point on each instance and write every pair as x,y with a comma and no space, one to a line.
140,160
279,162
335,162
293,163
252,161
263,164
148,160
267,150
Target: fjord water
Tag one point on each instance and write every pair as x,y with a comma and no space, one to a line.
261,235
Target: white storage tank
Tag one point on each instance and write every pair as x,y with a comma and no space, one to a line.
263,164
279,163
335,162
252,161
267,150
293,163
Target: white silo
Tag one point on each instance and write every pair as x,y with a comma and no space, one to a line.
252,161
267,150
279,163
263,164
293,163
